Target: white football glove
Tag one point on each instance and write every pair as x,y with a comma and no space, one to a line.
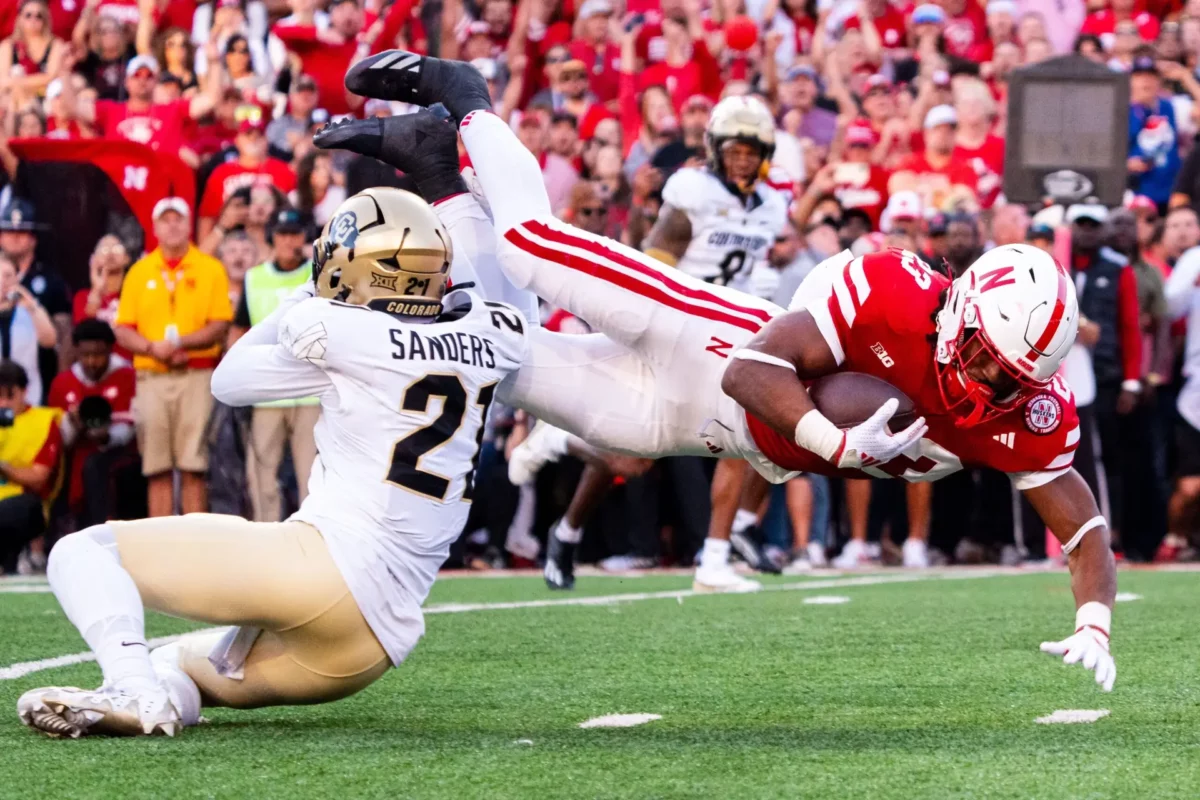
870,442
1089,645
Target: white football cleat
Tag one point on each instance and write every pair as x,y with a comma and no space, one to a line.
544,444
853,555
915,553
72,712
816,555
722,580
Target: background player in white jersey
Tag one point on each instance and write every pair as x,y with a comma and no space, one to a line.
718,223
328,600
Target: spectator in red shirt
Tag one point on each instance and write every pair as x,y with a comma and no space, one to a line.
570,94
974,143
1103,23
328,54
106,48
966,28
856,182
60,118
943,183
252,167
593,48
106,271
139,119
889,22
689,68
96,394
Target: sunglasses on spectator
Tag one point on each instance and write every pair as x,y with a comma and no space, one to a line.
143,74
558,59
574,76
593,211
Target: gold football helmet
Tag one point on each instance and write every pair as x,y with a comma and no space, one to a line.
742,119
385,249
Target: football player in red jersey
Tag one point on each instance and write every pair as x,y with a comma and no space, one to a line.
682,367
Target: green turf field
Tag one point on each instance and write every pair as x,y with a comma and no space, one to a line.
911,690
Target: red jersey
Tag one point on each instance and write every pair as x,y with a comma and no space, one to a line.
603,67
117,386
231,176
70,131
934,184
1104,24
160,126
701,75
987,161
326,63
892,27
862,186
876,315
966,32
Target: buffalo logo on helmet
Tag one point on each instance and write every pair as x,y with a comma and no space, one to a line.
1043,414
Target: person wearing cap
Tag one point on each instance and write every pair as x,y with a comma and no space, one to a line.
854,180
252,167
878,102
593,48
327,53
904,215
18,241
173,315
571,93
798,93
161,126
688,67
1107,290
287,130
1154,158
942,182
965,29
285,422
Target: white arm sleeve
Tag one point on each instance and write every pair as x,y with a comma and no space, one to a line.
258,373
267,331
1182,283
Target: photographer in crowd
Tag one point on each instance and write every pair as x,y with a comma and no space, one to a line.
30,453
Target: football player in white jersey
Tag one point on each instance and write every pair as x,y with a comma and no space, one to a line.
682,367
323,603
718,221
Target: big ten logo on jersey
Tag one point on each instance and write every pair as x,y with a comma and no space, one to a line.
882,355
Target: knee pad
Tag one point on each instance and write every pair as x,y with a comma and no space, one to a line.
86,545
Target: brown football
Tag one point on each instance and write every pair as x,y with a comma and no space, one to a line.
849,398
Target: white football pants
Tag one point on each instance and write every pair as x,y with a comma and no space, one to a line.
649,382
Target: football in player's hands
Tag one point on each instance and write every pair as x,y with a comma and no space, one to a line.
848,399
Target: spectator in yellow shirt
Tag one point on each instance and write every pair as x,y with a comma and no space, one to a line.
173,315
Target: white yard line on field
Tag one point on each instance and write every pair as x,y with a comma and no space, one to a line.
14,671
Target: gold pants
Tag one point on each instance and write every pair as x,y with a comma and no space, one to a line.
315,646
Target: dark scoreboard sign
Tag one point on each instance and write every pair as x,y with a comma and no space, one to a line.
1068,132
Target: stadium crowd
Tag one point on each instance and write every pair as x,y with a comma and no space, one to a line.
891,119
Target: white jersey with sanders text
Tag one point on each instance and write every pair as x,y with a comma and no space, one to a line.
730,236
398,441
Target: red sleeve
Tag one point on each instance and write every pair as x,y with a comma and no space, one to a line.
1129,325
79,306
1148,27
125,380
58,391
210,204
284,178
710,70
631,115
1091,25
104,111
397,15
51,448
297,37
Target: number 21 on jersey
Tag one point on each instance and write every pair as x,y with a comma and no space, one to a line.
405,470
